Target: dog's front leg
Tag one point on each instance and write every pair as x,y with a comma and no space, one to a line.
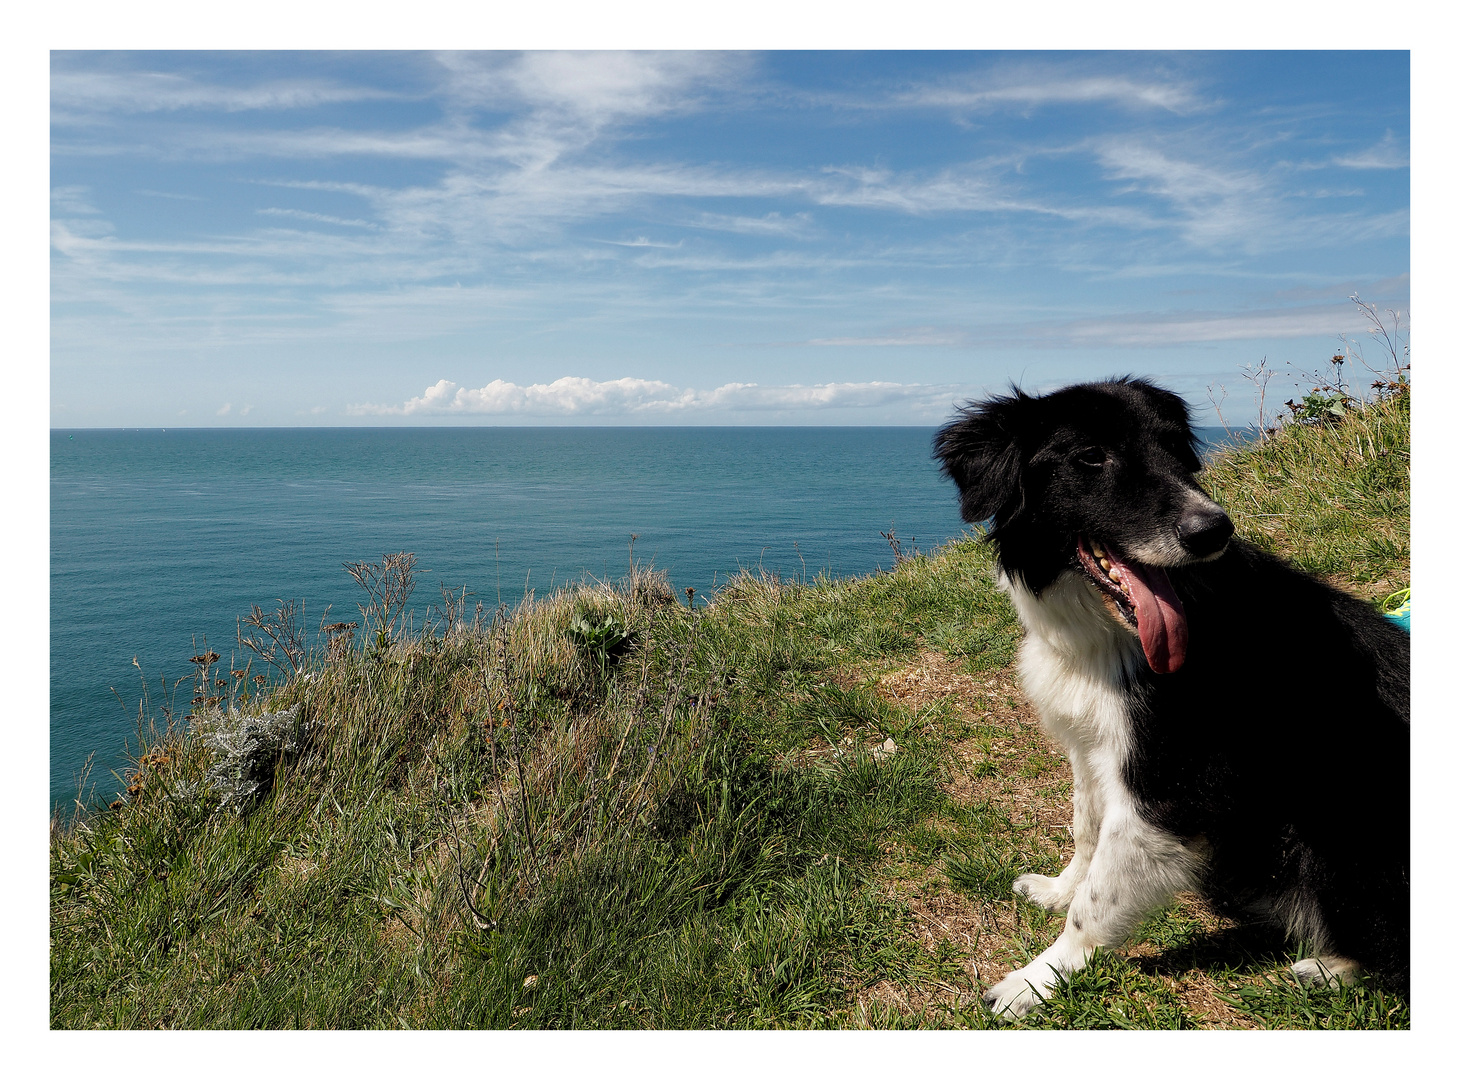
1134,869
1055,893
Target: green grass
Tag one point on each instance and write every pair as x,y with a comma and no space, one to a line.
990,851
1333,498
476,812
528,823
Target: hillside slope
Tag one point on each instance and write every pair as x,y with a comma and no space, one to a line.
798,805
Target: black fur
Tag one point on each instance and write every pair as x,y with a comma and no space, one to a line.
1284,737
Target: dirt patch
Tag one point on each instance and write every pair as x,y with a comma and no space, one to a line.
294,869
1198,992
1002,756
399,933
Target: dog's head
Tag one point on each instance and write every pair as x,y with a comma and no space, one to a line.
1096,478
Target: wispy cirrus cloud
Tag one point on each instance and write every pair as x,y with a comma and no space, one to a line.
771,224
1050,88
169,195
1212,203
534,173
588,87
641,242
326,219
1164,329
1127,330
1387,153
573,396
800,224
78,91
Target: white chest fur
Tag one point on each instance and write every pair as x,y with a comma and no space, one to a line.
1075,664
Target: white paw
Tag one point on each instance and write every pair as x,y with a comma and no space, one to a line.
1016,994
1047,892
1326,971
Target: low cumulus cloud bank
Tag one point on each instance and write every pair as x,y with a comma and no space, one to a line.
572,396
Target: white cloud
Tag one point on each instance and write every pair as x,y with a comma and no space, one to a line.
949,190
1387,153
305,215
572,396
1114,90
151,91
1216,204
1148,330
169,195
591,87
227,408
71,199
642,242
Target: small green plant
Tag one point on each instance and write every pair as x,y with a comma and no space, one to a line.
598,639
1321,407
1329,401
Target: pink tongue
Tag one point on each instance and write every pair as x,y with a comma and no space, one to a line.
1159,616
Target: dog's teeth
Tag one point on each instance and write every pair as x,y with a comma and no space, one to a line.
1105,564
1098,551
1114,570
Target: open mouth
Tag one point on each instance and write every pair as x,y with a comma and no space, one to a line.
1142,598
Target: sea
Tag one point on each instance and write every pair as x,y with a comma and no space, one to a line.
162,538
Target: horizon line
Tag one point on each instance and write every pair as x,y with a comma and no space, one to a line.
531,427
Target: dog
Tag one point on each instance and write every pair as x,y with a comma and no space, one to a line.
1235,726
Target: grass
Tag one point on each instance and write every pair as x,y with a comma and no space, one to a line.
1332,498
800,805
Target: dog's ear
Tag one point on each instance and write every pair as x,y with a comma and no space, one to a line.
980,453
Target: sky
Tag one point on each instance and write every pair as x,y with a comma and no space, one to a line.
275,239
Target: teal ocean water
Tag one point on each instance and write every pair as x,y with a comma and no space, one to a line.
161,539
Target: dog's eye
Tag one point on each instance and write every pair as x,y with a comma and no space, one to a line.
1092,457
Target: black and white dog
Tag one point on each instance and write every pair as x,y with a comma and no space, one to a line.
1235,726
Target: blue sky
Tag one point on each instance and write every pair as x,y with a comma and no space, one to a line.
706,238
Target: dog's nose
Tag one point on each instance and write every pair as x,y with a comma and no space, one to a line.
1204,532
